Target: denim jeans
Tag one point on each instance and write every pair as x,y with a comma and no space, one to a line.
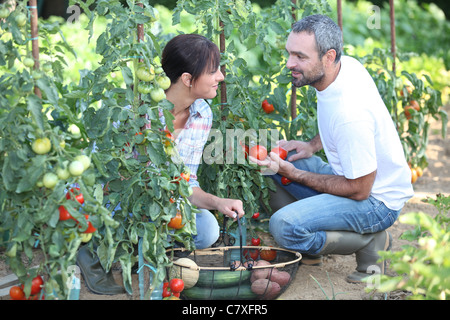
208,229
302,225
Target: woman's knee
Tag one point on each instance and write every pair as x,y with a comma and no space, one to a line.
208,229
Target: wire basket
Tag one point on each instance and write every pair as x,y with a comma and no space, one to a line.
235,272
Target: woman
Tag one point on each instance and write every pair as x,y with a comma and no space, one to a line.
192,63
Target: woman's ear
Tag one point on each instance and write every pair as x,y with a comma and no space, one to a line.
186,79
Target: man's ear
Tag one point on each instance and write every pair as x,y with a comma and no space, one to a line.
330,57
186,79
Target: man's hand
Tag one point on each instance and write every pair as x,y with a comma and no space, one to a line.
304,149
274,164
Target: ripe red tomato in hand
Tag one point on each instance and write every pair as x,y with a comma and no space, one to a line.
176,285
267,107
285,181
75,193
259,152
280,152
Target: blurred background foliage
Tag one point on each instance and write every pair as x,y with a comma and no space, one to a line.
422,29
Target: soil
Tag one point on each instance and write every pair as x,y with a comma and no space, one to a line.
328,281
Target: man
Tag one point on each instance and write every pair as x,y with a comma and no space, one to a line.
343,206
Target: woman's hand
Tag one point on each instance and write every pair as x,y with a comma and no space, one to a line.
230,207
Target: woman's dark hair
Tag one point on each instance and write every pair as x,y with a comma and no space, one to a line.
191,53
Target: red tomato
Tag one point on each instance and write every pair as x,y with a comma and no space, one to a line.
268,255
255,215
280,152
16,293
90,228
166,291
176,285
169,138
36,285
64,214
256,241
75,193
252,254
259,152
176,222
285,181
267,107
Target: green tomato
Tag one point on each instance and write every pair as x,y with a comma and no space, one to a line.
157,94
4,13
46,67
144,87
41,145
21,19
50,180
28,62
86,237
85,160
159,70
163,82
76,168
36,74
144,74
63,173
74,130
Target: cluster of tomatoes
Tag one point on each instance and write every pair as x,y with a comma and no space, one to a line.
172,289
18,293
153,81
416,173
74,194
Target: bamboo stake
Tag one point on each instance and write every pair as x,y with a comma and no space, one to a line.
223,86
293,88
392,18
35,39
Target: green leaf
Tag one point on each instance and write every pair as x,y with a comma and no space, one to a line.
35,108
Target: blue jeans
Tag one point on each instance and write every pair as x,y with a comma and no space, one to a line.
208,229
302,225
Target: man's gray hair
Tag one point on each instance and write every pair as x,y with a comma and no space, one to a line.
327,33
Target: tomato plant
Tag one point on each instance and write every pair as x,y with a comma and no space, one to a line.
38,146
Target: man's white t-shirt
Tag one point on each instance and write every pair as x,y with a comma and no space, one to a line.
359,136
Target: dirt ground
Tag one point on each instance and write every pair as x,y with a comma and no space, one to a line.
331,275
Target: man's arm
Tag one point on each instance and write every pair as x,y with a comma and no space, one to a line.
356,189
304,149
